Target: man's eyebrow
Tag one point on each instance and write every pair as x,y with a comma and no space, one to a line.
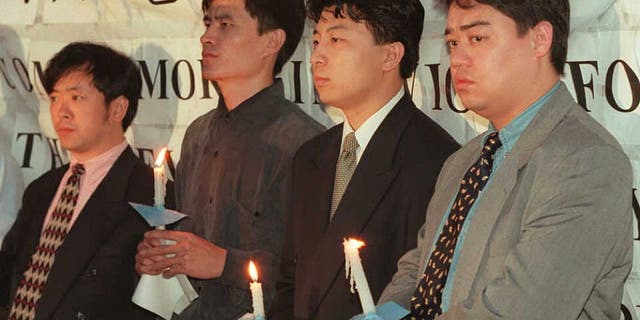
222,16
337,27
468,26
77,87
332,28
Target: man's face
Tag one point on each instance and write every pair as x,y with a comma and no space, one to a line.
81,117
492,67
346,62
231,46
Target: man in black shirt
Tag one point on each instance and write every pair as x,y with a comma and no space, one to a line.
235,165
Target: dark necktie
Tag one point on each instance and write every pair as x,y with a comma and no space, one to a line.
35,277
426,301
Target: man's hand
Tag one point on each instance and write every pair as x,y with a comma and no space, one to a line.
189,255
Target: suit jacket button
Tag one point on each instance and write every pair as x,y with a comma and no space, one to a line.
80,316
92,272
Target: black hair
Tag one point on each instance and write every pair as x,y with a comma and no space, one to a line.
527,14
389,21
287,15
113,73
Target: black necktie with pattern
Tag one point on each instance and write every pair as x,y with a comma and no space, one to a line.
35,277
427,299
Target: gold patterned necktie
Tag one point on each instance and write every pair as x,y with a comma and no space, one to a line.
344,170
427,299
35,277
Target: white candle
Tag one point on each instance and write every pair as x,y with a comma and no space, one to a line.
356,276
256,292
159,179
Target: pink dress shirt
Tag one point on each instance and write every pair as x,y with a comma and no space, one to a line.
95,170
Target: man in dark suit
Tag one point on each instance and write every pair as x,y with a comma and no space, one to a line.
378,187
70,253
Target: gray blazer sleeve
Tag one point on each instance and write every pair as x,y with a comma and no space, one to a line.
403,284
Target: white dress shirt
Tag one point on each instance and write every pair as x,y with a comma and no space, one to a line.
369,127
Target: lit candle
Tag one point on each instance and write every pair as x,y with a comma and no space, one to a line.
256,292
356,276
159,179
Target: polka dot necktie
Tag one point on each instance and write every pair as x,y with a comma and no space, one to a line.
344,170
35,277
427,299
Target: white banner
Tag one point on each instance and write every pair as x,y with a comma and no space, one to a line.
603,72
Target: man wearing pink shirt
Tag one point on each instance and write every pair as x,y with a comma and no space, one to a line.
70,253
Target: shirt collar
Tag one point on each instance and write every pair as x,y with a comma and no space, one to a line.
365,132
103,161
251,108
510,134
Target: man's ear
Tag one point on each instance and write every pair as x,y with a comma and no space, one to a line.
542,38
394,52
275,41
118,108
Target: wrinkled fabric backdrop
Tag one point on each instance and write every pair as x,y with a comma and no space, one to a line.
163,36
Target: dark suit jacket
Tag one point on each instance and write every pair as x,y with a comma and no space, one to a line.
384,206
93,276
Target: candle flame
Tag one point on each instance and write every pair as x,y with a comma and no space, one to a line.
253,271
354,243
160,158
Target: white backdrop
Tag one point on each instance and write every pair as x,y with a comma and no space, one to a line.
603,72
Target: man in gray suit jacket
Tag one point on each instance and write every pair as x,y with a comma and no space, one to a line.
543,231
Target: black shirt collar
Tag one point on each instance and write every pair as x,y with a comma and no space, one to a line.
252,109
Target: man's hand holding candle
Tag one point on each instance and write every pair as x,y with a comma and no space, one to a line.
189,255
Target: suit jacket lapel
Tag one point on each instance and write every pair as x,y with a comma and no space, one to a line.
497,192
101,214
445,189
488,210
315,223
373,176
325,163
319,198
